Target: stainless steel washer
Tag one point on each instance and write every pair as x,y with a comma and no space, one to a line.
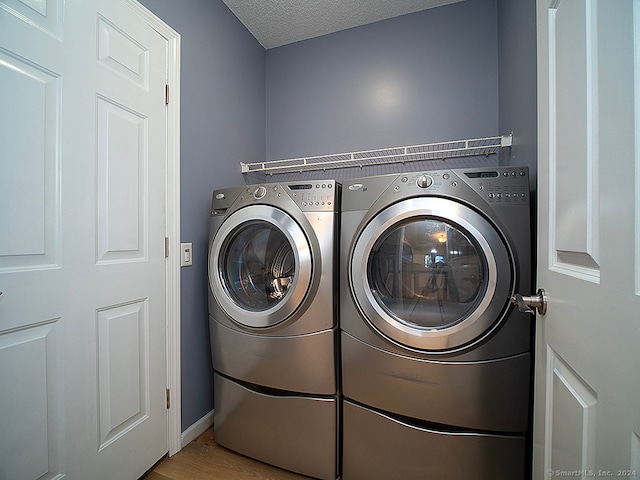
436,363
273,323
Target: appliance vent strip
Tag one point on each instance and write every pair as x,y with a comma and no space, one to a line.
429,151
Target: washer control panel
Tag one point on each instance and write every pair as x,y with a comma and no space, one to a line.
316,196
313,196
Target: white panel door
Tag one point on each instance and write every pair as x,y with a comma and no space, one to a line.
83,368
587,401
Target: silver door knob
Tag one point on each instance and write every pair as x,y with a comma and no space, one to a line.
525,303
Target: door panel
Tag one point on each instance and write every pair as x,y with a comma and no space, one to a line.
573,154
123,388
34,396
586,354
571,417
121,178
30,239
82,265
31,350
122,53
44,15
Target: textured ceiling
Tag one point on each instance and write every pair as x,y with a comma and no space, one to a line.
279,22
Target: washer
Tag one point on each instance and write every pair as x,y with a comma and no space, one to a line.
273,323
436,363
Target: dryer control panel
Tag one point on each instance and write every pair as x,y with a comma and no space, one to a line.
496,185
506,185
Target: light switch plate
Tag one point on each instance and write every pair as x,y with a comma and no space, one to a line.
186,255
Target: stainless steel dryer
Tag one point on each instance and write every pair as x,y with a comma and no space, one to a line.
436,363
273,323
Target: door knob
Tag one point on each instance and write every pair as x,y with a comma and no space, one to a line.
537,301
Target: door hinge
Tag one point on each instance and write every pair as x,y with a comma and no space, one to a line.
166,247
168,399
166,94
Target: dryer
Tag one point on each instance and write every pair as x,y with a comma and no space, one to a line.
436,362
273,323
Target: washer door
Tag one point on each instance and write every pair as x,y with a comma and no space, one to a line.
431,274
259,266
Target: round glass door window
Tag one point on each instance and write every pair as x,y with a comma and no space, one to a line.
260,266
427,273
431,274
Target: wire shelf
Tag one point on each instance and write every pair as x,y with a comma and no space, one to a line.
429,151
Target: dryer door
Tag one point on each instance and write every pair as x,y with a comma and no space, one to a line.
431,274
260,266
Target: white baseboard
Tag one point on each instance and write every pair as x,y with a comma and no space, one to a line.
197,429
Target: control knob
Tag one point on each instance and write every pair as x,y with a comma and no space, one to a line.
259,192
424,181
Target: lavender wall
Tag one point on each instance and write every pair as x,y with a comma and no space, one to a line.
459,71
518,83
518,102
222,123
424,77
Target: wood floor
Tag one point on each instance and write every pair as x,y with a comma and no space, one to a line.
204,459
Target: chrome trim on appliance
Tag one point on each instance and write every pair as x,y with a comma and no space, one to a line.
294,296
498,286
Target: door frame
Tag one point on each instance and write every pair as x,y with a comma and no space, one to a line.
172,221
